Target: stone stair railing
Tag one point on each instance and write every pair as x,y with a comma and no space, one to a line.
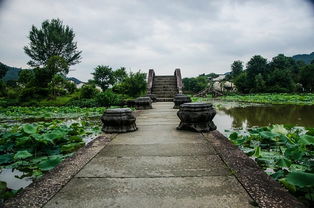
150,79
177,74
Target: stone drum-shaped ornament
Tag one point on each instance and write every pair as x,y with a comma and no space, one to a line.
197,117
143,103
180,99
118,120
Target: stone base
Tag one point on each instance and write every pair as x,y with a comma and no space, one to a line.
119,129
198,127
119,120
143,103
196,117
180,99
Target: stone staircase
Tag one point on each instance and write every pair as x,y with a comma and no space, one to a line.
164,87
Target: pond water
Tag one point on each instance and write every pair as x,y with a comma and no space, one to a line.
235,115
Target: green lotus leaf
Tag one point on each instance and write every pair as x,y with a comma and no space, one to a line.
29,129
301,179
289,186
23,140
283,163
22,155
268,134
306,139
294,153
71,147
49,163
233,136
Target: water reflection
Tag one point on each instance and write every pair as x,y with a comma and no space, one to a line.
239,116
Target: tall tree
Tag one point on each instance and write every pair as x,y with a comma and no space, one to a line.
104,77
236,68
307,77
52,39
120,74
256,65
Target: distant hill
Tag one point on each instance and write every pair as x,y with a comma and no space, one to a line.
306,58
13,74
75,80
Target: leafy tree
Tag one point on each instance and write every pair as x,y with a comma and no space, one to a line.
120,74
133,85
236,68
3,70
104,77
195,84
307,77
260,83
26,76
241,83
52,39
256,65
57,65
280,80
57,85
44,75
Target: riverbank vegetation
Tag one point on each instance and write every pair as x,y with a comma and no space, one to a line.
286,153
270,98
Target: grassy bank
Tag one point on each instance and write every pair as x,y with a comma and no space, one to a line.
280,98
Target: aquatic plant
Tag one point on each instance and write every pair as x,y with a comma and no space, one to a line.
286,153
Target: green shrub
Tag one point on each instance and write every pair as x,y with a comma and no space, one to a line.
108,98
133,85
88,91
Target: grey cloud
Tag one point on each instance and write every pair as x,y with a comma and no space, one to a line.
197,36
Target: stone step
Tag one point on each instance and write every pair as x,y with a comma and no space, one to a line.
164,99
164,79
165,96
164,87
164,82
161,92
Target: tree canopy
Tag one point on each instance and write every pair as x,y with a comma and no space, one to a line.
103,76
52,39
281,74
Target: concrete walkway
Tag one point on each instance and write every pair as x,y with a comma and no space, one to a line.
156,166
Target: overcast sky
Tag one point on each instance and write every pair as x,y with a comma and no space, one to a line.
198,36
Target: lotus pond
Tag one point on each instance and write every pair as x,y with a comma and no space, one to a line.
280,138
34,140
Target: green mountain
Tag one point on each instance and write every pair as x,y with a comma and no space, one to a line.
12,72
306,58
